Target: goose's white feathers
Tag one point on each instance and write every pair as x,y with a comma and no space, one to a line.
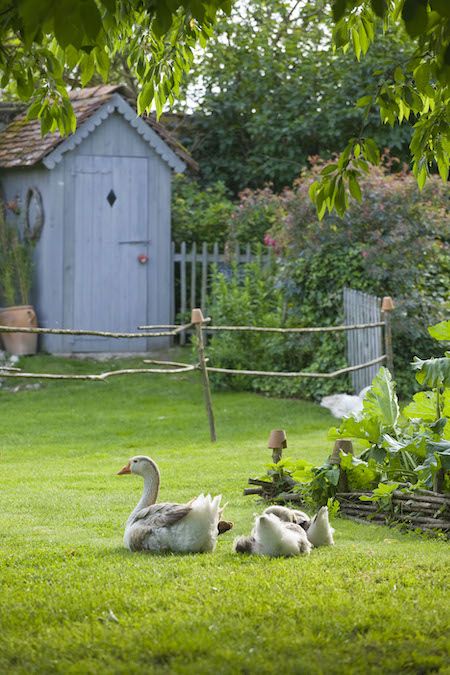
320,532
289,515
345,405
274,537
181,528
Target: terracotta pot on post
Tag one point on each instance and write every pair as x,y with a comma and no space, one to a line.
277,441
22,316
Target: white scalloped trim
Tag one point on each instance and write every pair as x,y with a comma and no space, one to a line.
116,103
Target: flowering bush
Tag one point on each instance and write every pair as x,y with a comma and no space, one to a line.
394,242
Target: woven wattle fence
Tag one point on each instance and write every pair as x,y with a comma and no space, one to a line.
423,510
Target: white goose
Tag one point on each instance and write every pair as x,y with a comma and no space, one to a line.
181,528
289,515
320,532
274,537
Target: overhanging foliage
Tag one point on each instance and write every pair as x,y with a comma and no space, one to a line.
45,42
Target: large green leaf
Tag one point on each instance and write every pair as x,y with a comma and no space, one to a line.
440,331
381,401
367,429
416,446
423,406
432,372
383,490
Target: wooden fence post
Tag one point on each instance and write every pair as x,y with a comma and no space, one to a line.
198,320
387,306
183,287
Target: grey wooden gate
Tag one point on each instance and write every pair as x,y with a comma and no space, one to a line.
111,286
365,344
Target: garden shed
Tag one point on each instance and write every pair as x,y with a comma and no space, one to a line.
104,253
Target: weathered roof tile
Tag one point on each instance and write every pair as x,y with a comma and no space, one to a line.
21,142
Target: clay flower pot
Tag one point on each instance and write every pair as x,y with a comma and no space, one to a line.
22,316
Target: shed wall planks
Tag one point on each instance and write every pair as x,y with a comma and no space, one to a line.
75,256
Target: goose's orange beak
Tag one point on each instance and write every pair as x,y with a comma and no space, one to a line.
126,469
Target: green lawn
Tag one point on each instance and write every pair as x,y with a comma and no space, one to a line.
72,600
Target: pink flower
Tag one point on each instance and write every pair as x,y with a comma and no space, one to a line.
268,241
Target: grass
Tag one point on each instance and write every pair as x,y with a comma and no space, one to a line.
72,600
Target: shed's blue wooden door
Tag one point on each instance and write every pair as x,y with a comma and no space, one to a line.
111,231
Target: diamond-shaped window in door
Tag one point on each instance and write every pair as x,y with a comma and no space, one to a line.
111,198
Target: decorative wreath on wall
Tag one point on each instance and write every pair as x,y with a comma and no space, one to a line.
34,214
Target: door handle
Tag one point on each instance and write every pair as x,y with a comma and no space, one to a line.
137,241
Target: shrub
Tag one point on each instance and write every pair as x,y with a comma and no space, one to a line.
395,242
251,295
200,214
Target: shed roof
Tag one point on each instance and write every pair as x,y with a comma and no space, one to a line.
21,142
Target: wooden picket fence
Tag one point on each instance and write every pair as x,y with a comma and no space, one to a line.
192,267
363,345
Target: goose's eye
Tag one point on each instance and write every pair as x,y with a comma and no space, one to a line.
134,461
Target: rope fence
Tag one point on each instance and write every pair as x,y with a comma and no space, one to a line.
200,323
72,331
276,373
267,329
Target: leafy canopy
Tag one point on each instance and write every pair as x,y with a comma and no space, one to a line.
418,88
257,119
44,42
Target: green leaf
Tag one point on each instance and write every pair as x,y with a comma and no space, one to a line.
355,190
381,400
67,23
145,97
340,200
440,331
398,75
87,69
356,43
333,474
415,16
72,56
422,75
159,101
33,110
163,20
442,453
338,8
383,490
371,151
443,166
415,447
102,62
422,176
90,18
330,168
423,406
364,101
367,429
432,372
442,7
